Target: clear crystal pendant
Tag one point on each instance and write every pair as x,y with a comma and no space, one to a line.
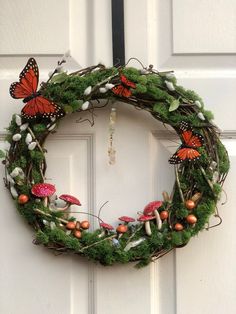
111,150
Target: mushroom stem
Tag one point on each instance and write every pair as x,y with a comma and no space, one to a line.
101,234
148,228
45,201
158,219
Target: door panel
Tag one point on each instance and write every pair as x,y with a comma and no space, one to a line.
157,33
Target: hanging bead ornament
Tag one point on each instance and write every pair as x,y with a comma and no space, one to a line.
111,150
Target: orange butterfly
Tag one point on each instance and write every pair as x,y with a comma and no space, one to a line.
190,142
26,88
123,89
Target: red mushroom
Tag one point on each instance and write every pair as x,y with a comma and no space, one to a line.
146,219
126,219
70,200
43,190
151,209
105,229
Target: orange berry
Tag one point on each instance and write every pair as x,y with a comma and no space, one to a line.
85,224
70,225
22,199
191,219
164,214
78,234
178,227
189,204
122,229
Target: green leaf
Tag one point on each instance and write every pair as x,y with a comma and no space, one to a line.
174,105
2,154
59,78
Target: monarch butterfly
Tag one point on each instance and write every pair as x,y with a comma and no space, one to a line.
190,142
35,104
123,89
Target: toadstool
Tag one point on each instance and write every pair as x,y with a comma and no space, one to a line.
43,190
146,219
151,209
126,219
105,229
70,200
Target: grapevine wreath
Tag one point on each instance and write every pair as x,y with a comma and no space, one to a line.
200,163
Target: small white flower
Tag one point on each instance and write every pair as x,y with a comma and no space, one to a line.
28,138
13,192
109,85
170,75
170,86
85,105
201,116
9,179
102,90
88,90
24,126
18,120
16,137
32,146
60,69
198,104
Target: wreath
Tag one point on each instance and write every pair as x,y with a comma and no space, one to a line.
200,163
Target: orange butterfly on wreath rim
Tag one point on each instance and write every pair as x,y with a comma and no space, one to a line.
123,89
26,89
191,141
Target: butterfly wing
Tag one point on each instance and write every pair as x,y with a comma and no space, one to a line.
121,91
28,81
183,154
126,82
41,107
192,139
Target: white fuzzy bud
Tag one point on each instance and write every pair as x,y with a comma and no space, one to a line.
109,86
13,192
170,86
88,90
201,116
52,127
16,137
198,104
60,69
15,172
9,179
85,105
18,120
32,146
24,126
144,71
28,138
102,90
67,54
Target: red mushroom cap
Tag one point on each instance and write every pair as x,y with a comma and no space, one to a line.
43,189
126,219
70,199
150,207
144,218
106,226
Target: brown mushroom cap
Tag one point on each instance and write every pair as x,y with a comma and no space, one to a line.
144,218
43,189
126,219
70,199
150,207
106,226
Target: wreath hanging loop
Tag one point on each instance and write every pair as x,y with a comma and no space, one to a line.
200,163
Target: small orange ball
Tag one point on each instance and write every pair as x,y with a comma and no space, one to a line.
70,225
22,199
122,229
178,227
164,215
78,234
85,224
191,219
189,204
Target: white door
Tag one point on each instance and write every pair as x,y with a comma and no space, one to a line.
197,39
